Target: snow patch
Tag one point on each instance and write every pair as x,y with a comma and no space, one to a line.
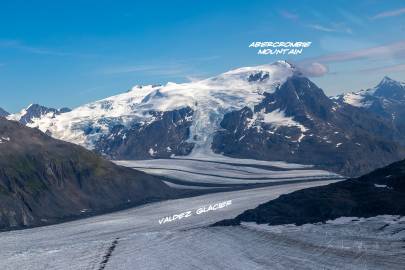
381,186
4,139
152,152
276,119
356,100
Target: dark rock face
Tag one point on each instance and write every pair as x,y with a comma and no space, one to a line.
36,111
43,180
167,135
390,89
64,110
333,136
381,192
3,112
389,102
259,77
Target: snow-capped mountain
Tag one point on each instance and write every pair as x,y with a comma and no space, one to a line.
299,123
386,100
3,112
34,112
188,113
268,112
388,90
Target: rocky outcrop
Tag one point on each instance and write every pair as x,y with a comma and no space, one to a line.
381,192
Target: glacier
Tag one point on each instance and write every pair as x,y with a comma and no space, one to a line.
134,239
217,170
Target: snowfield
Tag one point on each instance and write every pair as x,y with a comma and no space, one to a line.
134,239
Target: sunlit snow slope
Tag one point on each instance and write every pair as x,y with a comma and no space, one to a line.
210,99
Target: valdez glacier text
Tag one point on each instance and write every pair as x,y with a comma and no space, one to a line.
199,211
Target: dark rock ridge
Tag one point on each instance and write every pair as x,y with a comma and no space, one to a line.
167,135
44,180
381,192
3,112
312,129
37,111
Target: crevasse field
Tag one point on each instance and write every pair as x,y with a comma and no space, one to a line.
134,239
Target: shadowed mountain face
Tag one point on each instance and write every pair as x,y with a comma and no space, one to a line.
3,112
298,123
44,180
381,192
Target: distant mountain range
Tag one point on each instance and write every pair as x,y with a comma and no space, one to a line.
381,192
268,112
3,112
386,100
44,180
34,112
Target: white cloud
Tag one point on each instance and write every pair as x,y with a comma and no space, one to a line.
336,28
158,69
313,69
15,44
182,68
321,28
288,15
390,13
394,50
385,69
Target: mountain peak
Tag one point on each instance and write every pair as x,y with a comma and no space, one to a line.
3,112
389,88
281,65
33,111
388,81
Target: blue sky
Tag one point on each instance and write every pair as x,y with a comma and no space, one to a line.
66,53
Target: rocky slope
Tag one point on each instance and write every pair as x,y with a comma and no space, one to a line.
43,180
381,192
